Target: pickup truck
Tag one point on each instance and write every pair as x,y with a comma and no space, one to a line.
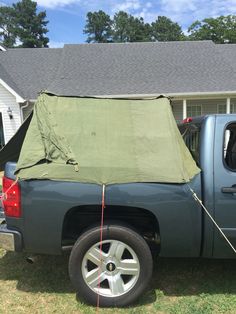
141,220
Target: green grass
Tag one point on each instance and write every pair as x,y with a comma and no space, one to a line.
178,286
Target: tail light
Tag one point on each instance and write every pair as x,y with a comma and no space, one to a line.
11,198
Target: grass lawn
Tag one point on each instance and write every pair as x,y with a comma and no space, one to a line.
178,286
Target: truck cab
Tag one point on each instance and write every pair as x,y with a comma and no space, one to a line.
212,143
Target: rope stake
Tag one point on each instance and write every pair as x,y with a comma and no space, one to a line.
197,199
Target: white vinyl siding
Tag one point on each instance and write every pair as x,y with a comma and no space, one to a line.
10,126
177,107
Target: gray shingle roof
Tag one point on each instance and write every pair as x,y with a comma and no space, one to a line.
6,77
229,53
28,71
118,69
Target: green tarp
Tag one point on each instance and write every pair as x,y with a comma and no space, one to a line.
11,151
104,141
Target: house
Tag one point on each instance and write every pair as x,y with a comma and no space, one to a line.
199,76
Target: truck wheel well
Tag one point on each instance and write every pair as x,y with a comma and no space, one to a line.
80,218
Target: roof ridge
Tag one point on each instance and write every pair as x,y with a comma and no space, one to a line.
144,43
33,49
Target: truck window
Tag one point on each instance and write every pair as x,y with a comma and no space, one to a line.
191,137
229,150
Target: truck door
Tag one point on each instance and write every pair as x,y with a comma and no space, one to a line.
225,184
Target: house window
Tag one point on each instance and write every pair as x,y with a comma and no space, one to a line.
233,108
221,108
194,110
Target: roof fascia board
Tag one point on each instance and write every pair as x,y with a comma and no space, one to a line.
199,95
221,94
2,48
19,99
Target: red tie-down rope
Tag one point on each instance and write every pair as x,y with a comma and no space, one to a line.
101,239
4,195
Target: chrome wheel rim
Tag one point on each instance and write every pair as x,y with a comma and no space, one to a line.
111,271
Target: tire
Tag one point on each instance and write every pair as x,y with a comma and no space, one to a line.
124,266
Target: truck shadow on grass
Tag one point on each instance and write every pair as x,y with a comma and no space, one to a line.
46,274
172,277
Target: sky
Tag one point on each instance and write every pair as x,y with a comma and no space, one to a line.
67,17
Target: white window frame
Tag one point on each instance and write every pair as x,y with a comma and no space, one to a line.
218,110
188,108
233,107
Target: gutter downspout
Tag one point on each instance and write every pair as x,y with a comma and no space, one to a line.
21,110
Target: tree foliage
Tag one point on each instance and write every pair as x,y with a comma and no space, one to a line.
163,29
98,27
7,34
30,27
127,28
121,27
220,30
23,25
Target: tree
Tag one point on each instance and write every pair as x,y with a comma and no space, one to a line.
139,31
164,29
7,36
220,30
30,27
21,23
98,27
121,27
127,28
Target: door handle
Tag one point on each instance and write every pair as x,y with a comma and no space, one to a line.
230,189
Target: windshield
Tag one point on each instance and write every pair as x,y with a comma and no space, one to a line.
191,137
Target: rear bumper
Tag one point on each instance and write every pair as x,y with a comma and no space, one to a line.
2,216
10,240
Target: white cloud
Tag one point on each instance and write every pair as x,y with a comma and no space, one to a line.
147,15
223,7
179,6
187,11
56,3
148,4
128,6
182,11
138,8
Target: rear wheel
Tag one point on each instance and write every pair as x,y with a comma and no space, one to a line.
118,273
